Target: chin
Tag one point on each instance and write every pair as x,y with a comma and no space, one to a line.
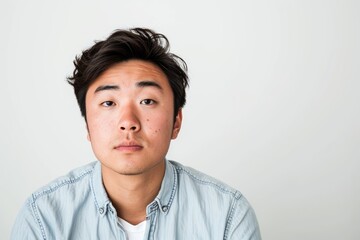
128,169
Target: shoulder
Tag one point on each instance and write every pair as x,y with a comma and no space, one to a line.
220,199
201,179
54,202
75,176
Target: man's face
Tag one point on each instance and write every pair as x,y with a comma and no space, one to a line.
130,117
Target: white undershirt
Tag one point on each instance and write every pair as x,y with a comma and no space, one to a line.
134,232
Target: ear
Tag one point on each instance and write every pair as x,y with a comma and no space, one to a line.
177,124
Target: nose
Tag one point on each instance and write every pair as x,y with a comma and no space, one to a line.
128,120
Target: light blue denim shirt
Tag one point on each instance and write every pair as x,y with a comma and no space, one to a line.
190,205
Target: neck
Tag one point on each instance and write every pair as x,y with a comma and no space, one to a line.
131,194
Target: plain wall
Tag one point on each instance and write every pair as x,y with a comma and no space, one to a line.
273,107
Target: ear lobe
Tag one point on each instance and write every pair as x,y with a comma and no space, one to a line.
177,124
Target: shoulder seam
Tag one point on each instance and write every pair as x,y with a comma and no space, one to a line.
231,214
236,194
37,218
51,189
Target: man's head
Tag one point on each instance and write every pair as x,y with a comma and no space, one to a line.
131,90
124,45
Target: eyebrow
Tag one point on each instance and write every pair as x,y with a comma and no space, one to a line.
140,84
106,87
148,83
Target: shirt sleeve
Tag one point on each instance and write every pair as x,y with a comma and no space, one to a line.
26,225
242,223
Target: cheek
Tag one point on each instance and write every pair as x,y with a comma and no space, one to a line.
158,127
99,128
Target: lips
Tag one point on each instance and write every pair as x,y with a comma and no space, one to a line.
129,147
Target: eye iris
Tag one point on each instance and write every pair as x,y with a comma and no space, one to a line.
147,101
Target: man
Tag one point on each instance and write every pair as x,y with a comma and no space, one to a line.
131,91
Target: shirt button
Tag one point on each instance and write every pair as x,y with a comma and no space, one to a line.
164,208
101,210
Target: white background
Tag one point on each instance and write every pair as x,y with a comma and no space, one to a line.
273,107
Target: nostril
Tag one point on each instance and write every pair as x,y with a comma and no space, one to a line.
133,128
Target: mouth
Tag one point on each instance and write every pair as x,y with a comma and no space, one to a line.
128,147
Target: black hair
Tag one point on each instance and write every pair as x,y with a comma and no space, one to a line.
122,45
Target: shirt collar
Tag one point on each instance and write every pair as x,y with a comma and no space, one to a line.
97,186
163,200
167,191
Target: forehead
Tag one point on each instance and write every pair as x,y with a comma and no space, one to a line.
127,73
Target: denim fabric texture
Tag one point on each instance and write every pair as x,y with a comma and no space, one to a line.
189,205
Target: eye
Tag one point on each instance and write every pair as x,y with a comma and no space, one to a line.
147,102
108,103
